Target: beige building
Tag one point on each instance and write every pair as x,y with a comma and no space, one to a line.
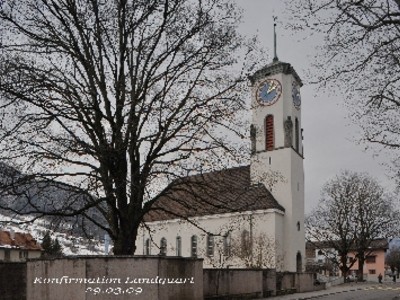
249,216
323,259
17,246
374,263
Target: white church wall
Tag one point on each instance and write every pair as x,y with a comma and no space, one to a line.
281,169
260,226
298,209
289,192
268,240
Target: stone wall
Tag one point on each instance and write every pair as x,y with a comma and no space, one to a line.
269,282
149,278
298,282
254,283
232,283
286,281
12,281
108,278
305,282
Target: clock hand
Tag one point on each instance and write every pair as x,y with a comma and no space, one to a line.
271,88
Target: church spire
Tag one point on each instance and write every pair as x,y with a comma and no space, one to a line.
275,55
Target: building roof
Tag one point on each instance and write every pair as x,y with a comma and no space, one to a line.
381,243
275,67
219,192
20,241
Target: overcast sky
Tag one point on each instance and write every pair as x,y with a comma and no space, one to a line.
329,135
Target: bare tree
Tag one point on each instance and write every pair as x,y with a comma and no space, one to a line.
360,57
352,213
116,100
261,252
326,268
392,259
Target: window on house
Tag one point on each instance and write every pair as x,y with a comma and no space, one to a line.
163,246
296,134
227,244
350,259
210,245
371,259
7,255
178,246
194,246
147,247
372,272
23,254
269,133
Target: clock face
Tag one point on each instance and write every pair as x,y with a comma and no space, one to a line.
268,91
296,95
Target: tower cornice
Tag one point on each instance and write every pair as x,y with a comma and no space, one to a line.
275,67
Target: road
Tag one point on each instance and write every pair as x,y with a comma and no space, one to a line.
353,291
369,293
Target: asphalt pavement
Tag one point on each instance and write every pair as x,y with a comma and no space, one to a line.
392,290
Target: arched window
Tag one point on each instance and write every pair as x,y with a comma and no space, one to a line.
210,245
193,246
246,245
269,133
299,263
298,226
178,246
147,249
163,246
296,134
227,244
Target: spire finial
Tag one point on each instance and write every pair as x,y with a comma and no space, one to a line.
275,55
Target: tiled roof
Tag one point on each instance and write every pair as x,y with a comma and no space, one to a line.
374,244
217,192
379,244
20,241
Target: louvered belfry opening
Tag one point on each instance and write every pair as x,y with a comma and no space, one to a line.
269,133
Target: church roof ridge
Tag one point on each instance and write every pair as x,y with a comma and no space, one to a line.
214,172
224,191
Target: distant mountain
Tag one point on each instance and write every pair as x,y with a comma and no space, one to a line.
71,244
35,197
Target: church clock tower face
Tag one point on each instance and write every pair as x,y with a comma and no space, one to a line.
268,91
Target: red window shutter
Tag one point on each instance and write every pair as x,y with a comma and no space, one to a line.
269,133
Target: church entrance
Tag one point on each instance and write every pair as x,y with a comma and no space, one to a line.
299,264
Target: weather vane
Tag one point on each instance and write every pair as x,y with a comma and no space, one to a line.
275,55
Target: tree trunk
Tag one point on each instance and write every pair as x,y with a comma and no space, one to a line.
343,267
361,268
125,243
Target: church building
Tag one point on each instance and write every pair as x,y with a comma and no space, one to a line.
248,216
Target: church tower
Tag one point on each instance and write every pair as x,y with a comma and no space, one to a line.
277,153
